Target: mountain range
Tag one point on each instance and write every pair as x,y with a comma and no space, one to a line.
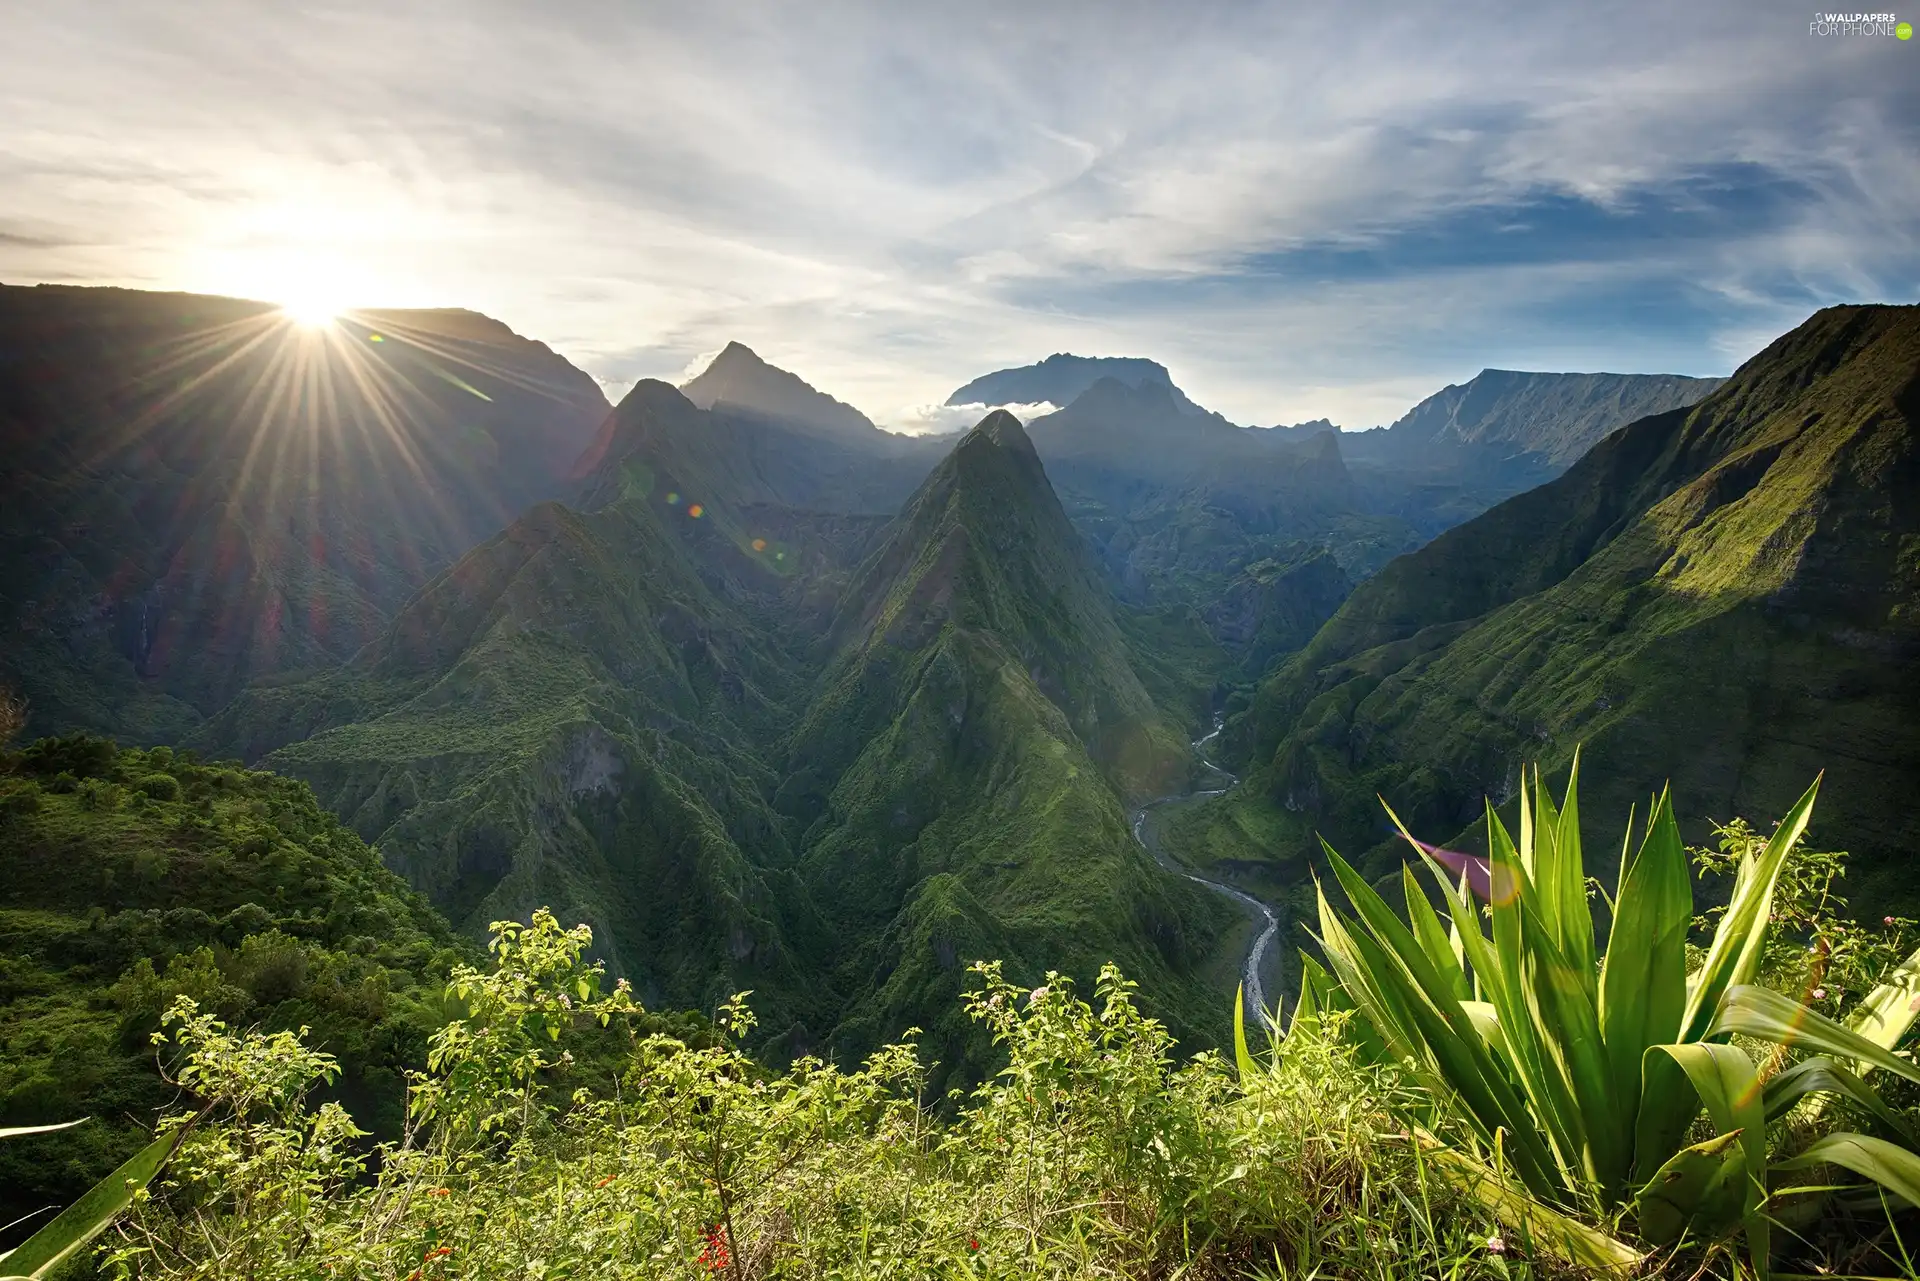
199,493
777,700
1726,596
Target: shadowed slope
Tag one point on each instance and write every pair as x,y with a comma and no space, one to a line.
199,491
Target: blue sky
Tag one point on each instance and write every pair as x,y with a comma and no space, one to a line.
1302,211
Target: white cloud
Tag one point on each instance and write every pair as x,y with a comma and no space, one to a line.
935,420
900,200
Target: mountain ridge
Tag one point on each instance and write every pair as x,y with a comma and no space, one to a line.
1727,576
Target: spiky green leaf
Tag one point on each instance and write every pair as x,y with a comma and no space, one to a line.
43,1252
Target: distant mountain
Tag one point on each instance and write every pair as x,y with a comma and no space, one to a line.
199,492
1061,379
963,768
1178,502
737,380
1723,596
1502,415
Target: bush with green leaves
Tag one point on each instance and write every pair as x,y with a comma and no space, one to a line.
1091,1153
1565,1080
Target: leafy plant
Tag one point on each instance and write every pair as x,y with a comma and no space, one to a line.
1577,1073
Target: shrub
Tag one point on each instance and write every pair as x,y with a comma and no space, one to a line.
1091,1153
161,787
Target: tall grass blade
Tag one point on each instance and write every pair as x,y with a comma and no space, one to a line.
1432,937
1389,971
1541,1226
21,1131
1643,979
1891,1166
43,1252
1724,1080
1242,1059
1889,1011
1822,1075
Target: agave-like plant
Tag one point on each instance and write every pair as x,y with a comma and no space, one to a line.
1577,1074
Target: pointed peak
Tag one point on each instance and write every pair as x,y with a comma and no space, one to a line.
651,393
1001,430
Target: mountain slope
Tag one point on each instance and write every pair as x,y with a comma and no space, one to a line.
199,491
570,717
738,380
963,769
1504,415
1726,596
130,877
1061,379
1178,503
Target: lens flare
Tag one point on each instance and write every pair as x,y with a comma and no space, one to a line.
696,511
759,544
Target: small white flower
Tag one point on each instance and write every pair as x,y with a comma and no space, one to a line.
1036,996
1819,994
1496,1245
566,1001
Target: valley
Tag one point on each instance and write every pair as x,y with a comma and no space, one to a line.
774,700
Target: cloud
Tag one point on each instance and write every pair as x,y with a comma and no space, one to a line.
1302,211
935,420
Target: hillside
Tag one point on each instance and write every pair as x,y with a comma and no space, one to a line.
1178,501
1725,596
200,492
128,877
570,717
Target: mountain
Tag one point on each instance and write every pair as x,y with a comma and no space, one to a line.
1725,596
200,492
1502,416
571,717
1276,605
1061,379
761,747
1176,502
737,380
963,769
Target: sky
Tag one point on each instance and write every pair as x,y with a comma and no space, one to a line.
1303,211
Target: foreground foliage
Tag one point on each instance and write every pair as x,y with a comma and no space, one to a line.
1091,1153
1577,1079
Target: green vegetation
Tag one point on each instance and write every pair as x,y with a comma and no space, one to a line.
128,878
650,722
1577,1078
1446,1102
1725,596
1090,1153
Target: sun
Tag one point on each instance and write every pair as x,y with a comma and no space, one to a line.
311,308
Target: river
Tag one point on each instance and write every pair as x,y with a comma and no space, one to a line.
1257,1008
